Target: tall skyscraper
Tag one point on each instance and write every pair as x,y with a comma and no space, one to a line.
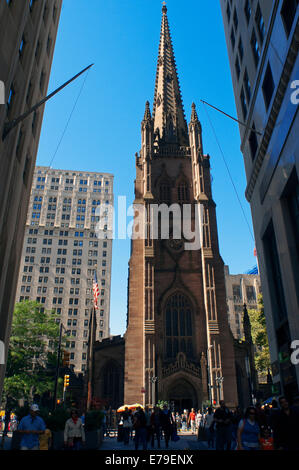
262,41
178,346
28,30
61,253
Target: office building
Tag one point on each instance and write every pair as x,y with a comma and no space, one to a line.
262,41
28,30
61,253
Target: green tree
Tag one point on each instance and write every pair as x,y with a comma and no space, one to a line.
32,352
260,338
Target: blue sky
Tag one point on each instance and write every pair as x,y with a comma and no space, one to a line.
121,37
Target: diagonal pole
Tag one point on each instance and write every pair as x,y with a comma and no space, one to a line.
12,124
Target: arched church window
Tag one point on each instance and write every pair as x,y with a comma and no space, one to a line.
111,381
183,192
178,326
165,193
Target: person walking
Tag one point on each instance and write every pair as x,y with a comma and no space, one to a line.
140,428
31,427
209,426
249,431
126,419
148,424
156,426
287,427
266,441
184,421
236,418
166,424
74,434
192,422
223,420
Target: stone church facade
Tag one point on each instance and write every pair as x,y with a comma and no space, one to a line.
178,345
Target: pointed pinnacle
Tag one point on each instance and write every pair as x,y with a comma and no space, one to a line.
194,116
147,113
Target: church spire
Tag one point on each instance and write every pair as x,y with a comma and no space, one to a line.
168,113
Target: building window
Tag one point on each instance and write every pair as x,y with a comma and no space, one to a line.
240,49
250,294
247,86
247,10
228,12
253,143
255,48
178,326
243,103
288,13
268,86
237,294
260,23
291,197
235,19
274,274
232,38
237,67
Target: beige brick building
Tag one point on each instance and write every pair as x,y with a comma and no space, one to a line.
28,30
240,289
61,252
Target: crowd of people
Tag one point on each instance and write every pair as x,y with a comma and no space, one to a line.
35,434
271,427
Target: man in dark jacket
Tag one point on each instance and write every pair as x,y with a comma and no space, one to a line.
156,426
287,430
166,423
223,419
140,428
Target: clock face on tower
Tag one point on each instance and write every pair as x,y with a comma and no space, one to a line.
175,244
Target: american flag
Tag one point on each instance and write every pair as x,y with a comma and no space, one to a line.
96,292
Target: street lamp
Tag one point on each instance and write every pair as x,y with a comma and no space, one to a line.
154,380
219,382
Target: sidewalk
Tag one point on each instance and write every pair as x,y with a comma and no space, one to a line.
187,442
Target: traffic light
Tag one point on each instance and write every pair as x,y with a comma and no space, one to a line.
66,359
66,381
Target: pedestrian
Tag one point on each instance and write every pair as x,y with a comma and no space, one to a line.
199,419
166,424
266,441
156,426
126,425
140,428
261,415
31,426
209,426
178,420
131,424
249,431
223,420
74,435
184,421
237,416
287,427
192,422
148,424
45,439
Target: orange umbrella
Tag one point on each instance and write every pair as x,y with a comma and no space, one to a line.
136,405
122,408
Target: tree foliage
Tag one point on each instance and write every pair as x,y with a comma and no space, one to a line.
31,362
260,337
